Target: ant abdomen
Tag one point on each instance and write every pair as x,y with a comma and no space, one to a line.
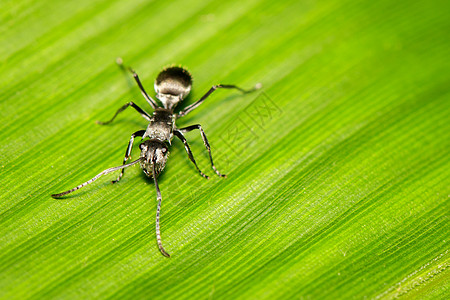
172,85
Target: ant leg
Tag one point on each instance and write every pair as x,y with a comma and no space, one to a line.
137,108
188,150
205,141
158,209
107,171
193,106
141,87
128,152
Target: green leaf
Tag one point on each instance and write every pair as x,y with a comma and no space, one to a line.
338,168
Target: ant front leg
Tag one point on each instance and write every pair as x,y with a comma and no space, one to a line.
133,105
193,106
205,141
188,150
128,152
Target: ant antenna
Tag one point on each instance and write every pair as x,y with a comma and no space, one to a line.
96,177
158,209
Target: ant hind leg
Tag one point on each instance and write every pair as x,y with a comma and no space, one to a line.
193,106
125,106
149,99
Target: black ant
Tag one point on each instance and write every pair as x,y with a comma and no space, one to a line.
172,85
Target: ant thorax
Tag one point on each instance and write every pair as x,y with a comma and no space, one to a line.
161,126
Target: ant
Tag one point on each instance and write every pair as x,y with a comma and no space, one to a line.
172,85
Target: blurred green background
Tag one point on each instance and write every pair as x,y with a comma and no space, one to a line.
338,168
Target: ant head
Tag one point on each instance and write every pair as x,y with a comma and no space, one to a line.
172,85
153,151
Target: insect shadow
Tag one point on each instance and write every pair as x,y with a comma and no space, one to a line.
172,85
